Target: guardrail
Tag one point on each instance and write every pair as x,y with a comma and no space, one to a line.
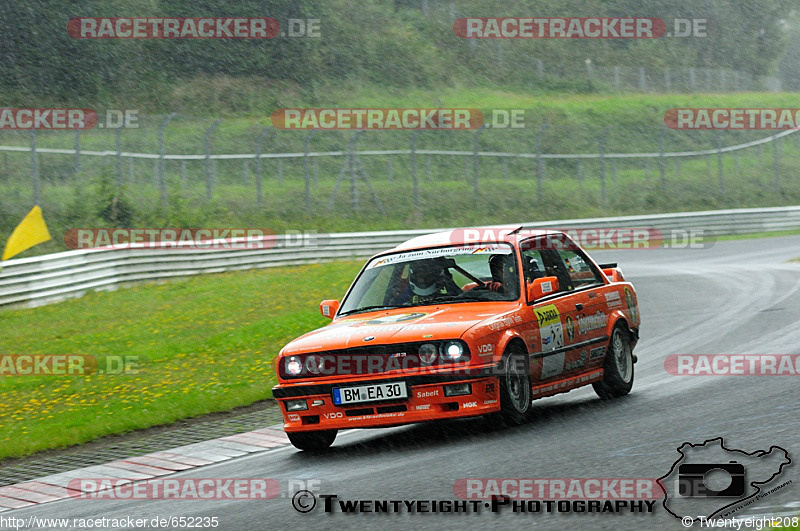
44,279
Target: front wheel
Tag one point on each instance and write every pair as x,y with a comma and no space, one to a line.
618,368
313,441
515,389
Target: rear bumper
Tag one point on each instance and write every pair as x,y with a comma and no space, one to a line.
426,401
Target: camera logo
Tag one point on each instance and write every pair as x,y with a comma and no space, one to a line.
711,480
693,480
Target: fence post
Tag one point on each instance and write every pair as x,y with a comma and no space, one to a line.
352,166
642,79
208,166
389,171
413,148
77,147
776,166
692,79
475,146
661,161
306,173
34,168
260,162
245,171
616,77
601,145
118,139
720,174
539,163
162,180
580,174
184,177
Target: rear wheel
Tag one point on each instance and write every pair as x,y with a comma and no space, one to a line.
618,368
515,388
313,441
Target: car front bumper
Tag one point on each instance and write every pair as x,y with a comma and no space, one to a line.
426,401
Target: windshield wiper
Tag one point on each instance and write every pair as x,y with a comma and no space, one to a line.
370,308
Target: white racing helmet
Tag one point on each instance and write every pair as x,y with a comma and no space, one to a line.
424,276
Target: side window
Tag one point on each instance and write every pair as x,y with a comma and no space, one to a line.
532,265
580,272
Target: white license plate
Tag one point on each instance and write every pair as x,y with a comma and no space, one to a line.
369,393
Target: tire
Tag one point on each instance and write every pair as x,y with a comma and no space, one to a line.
313,441
515,389
618,368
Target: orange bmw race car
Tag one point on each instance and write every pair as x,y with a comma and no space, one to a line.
458,324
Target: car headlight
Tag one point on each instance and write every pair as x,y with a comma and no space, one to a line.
453,350
293,366
427,353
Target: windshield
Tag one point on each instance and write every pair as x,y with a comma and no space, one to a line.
441,275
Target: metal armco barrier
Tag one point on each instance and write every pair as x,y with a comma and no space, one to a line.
54,277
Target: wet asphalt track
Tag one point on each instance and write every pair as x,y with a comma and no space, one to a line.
737,297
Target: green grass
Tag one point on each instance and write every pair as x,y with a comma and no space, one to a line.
202,344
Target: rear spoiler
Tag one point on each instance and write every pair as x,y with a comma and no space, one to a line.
613,272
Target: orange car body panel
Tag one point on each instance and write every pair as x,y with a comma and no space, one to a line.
565,335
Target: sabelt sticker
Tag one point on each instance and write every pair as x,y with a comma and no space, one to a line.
547,287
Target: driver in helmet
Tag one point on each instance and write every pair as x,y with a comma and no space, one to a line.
427,279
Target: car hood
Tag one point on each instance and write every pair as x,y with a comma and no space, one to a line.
400,325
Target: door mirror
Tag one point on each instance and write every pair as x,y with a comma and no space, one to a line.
541,287
328,308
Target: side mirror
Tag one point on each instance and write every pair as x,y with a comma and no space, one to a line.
541,287
328,308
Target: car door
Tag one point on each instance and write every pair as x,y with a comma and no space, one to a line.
587,320
553,351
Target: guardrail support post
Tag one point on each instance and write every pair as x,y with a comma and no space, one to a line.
208,165
162,180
